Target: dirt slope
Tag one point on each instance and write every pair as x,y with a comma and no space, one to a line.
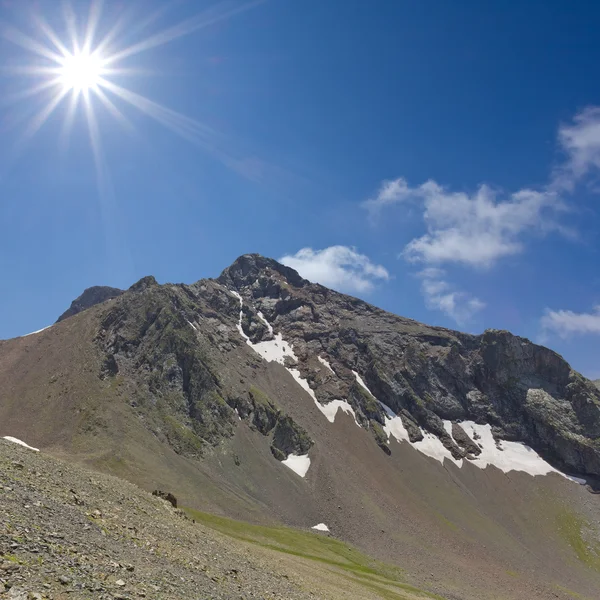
66,532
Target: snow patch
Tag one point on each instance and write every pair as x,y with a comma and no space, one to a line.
297,463
325,363
361,382
320,527
269,326
432,446
275,350
15,440
330,409
38,331
394,425
514,456
578,480
239,324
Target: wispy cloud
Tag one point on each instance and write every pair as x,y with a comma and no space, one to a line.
440,295
566,323
580,141
339,267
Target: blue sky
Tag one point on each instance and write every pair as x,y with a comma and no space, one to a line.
437,159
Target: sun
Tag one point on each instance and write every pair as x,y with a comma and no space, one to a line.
81,71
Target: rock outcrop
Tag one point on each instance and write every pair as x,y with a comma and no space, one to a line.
90,297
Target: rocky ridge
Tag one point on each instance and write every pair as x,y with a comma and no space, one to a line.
90,297
174,340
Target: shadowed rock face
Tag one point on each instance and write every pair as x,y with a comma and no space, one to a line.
90,297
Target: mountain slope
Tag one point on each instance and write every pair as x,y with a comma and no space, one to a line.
208,389
65,530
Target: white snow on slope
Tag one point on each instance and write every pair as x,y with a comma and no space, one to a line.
330,409
513,456
320,527
431,446
15,440
361,381
506,456
393,424
38,331
277,350
324,362
269,326
297,463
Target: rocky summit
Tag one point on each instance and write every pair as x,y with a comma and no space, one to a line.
468,462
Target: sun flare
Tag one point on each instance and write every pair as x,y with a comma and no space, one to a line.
83,65
81,71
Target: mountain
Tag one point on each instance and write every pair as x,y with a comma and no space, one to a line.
597,382
263,397
90,297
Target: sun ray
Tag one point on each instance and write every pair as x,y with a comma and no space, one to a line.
184,126
222,11
43,115
67,127
29,92
92,24
50,34
112,109
28,70
17,37
71,23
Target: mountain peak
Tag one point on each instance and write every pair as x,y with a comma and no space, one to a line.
90,297
248,268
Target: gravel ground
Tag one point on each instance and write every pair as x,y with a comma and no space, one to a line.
70,533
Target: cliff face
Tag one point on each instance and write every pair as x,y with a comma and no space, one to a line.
426,375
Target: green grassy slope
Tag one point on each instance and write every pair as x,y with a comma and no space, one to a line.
326,556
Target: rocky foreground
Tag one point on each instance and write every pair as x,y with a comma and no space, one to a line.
70,533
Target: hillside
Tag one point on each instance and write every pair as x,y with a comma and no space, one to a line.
68,532
263,397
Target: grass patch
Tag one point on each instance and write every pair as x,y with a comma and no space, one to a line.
571,527
332,554
570,593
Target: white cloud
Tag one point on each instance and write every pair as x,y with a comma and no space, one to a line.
338,267
390,192
473,229
439,295
567,322
580,141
